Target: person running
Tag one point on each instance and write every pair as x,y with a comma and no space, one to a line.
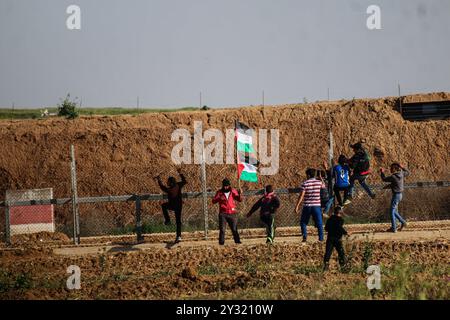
268,205
174,202
226,198
397,180
310,195
341,176
360,164
335,229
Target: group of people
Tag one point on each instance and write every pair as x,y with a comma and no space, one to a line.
321,189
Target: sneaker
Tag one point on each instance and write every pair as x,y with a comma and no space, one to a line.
403,225
391,230
269,240
238,242
373,196
347,202
178,239
167,222
304,240
326,267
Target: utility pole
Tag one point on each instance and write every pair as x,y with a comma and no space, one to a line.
74,198
200,106
328,94
263,98
137,103
400,99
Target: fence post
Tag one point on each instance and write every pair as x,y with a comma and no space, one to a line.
138,219
76,217
331,149
7,223
204,191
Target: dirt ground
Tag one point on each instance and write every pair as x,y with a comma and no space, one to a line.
414,265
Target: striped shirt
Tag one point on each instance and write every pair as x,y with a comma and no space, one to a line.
312,192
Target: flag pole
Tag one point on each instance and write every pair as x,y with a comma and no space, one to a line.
237,154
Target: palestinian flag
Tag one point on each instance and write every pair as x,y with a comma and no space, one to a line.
246,157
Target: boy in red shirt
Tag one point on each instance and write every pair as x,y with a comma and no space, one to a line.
226,198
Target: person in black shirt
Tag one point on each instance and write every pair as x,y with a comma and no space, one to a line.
335,229
175,201
268,206
360,164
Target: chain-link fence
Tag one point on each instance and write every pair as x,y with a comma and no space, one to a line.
107,206
121,216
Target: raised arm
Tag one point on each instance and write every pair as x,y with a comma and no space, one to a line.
384,177
183,181
161,185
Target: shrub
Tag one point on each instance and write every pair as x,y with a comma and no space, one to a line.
68,108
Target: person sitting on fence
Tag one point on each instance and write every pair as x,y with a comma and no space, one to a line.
310,193
335,229
341,174
175,201
226,198
268,205
397,180
360,164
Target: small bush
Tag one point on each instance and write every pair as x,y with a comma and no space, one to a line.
68,108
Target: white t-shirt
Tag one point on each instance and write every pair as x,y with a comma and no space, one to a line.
227,194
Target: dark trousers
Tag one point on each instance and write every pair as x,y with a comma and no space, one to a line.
337,192
268,219
362,182
177,209
330,245
231,219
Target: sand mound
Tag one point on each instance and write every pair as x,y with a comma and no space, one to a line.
121,154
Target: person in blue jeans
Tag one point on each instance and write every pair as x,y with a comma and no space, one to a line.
360,164
397,181
310,196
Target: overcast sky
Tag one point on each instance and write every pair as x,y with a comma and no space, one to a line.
167,51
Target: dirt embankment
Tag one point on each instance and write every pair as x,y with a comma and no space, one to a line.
121,154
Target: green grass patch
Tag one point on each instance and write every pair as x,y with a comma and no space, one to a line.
10,114
11,281
307,269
